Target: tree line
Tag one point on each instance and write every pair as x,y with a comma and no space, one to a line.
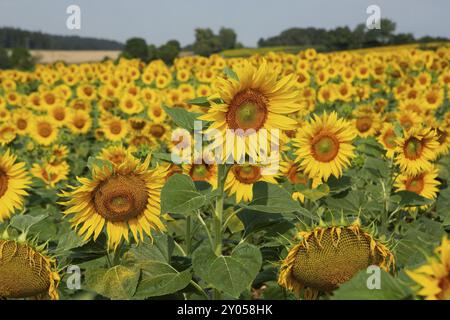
344,38
17,38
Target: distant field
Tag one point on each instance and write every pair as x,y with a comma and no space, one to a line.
50,56
246,52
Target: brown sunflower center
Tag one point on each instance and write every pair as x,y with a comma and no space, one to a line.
325,147
441,136
199,172
59,114
415,184
444,285
22,124
79,122
137,124
157,130
247,110
115,127
413,148
363,124
389,139
157,112
246,173
3,182
297,177
121,198
45,129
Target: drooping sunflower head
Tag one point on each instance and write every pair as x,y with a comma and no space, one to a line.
326,257
325,146
27,271
120,198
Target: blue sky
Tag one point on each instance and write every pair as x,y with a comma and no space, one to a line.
160,20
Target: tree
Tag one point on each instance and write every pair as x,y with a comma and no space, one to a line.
227,38
21,59
169,51
206,42
136,48
5,63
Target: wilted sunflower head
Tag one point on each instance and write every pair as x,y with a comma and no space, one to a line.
326,257
26,272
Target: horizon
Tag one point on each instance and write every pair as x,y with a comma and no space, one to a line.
100,22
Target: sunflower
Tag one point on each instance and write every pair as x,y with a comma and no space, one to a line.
114,128
416,150
242,177
257,100
27,271
367,125
434,277
59,114
325,146
14,180
295,175
201,170
7,134
326,257
387,139
21,119
443,138
129,104
115,154
43,131
118,199
79,122
50,175
424,183
156,114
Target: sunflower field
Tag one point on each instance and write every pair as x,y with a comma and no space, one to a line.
93,206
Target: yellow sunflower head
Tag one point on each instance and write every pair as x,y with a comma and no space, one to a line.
434,276
119,199
14,180
326,257
325,146
257,98
416,149
44,131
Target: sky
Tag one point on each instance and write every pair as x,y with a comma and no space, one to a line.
158,21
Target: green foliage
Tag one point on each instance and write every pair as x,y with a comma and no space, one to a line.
231,274
136,48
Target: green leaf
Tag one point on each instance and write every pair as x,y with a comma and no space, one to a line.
25,222
179,195
410,199
357,288
99,163
315,194
159,277
272,199
118,282
230,274
200,101
182,117
230,73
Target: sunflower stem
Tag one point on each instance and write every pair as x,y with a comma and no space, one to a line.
218,217
188,235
